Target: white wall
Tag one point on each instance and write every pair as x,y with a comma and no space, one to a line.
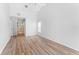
4,25
60,23
28,13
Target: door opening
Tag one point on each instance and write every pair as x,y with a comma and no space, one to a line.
17,26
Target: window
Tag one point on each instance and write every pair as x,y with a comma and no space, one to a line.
39,26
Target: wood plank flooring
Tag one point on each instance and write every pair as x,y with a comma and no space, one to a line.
35,45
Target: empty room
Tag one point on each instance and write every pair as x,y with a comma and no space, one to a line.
39,28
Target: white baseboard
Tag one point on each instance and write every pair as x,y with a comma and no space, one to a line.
4,45
60,42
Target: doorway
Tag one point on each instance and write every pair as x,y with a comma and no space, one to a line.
20,26
17,26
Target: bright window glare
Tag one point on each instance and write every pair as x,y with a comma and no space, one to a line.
39,26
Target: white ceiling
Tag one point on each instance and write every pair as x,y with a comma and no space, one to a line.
20,8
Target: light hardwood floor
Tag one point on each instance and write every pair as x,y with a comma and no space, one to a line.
36,45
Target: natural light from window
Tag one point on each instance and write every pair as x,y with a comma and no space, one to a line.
39,26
